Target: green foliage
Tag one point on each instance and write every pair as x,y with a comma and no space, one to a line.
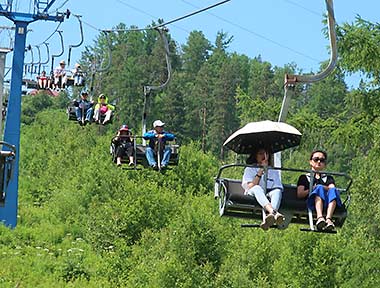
83,222
31,105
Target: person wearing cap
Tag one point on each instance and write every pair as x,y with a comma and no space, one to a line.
77,75
60,76
83,106
103,108
157,140
124,145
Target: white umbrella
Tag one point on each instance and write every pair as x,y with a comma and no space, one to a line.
273,136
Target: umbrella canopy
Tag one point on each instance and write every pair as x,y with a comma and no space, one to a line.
273,136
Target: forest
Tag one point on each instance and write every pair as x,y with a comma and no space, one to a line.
83,222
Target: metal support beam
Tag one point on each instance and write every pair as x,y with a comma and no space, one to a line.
8,213
292,80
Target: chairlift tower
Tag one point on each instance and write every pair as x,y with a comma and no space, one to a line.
8,212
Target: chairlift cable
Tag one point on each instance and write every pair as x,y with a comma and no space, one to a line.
64,3
169,22
303,7
51,35
191,14
91,26
259,35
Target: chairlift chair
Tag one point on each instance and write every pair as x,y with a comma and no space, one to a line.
141,158
7,158
233,202
275,137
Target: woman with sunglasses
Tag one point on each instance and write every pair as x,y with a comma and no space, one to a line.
324,195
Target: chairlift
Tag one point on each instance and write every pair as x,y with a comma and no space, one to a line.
141,148
59,82
7,158
71,79
28,68
139,154
97,68
274,136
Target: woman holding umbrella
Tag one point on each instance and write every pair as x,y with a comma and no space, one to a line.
254,185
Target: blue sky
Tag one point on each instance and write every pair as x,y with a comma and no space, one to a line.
281,31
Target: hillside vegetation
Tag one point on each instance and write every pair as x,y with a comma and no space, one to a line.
83,222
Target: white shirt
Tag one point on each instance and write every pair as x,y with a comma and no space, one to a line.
273,180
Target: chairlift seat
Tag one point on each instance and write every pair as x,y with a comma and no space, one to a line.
6,166
71,114
30,84
140,155
234,203
141,158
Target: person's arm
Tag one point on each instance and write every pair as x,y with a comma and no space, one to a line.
149,135
168,136
302,191
330,183
251,177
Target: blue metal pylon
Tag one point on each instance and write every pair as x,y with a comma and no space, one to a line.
8,213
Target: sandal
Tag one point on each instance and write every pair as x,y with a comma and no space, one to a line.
321,223
330,225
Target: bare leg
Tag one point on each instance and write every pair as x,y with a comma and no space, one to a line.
269,208
331,209
319,206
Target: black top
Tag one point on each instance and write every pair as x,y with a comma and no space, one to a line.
304,180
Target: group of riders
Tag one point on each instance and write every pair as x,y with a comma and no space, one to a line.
58,79
86,111
157,138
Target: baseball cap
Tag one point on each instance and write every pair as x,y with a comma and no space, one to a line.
158,123
124,128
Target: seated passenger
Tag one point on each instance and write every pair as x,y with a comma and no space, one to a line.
60,78
253,185
77,75
157,140
324,195
123,145
103,108
83,108
43,81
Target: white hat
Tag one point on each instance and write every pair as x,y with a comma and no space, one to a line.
158,123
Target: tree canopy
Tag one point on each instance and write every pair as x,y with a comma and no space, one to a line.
83,222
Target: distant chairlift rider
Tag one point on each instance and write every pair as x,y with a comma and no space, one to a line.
83,109
157,144
102,108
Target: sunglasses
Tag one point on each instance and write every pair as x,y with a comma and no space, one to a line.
317,159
